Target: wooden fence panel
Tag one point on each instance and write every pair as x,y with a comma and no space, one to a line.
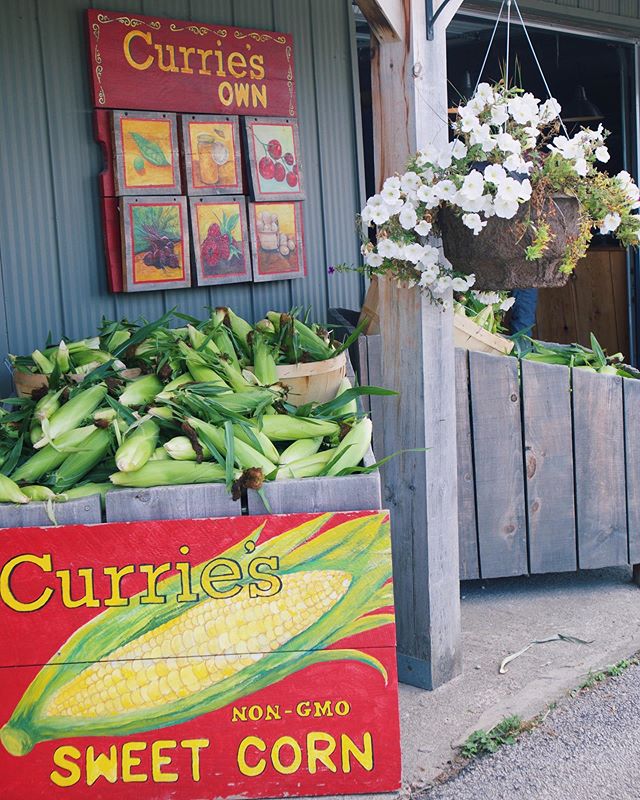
631,390
546,397
601,513
467,530
497,441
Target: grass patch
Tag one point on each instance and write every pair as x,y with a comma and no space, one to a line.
594,678
481,742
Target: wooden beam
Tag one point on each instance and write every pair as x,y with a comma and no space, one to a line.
420,488
385,17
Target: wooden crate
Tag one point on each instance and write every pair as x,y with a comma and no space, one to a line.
349,493
470,336
85,511
195,501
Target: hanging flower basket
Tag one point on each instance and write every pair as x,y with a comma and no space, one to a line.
497,256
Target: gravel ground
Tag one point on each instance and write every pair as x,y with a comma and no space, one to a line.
588,748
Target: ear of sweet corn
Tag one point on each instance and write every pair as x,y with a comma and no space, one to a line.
40,493
138,447
180,449
283,428
143,667
72,413
258,440
141,391
302,448
352,448
50,457
78,464
10,492
168,473
245,455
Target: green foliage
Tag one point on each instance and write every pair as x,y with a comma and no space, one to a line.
152,221
542,237
480,742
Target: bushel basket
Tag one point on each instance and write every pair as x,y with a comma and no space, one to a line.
497,254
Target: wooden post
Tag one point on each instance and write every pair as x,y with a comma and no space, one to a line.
420,488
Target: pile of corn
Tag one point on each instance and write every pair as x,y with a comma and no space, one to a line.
574,355
152,405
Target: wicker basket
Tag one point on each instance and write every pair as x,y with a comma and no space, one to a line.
315,382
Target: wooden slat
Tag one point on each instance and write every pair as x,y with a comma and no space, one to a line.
497,441
171,502
85,511
599,468
620,299
348,493
374,376
631,390
467,530
546,391
556,317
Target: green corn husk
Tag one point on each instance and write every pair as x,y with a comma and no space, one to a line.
105,415
309,467
117,339
265,326
73,413
350,409
201,342
352,448
87,358
225,345
264,364
62,357
258,440
51,456
42,362
38,493
274,317
283,428
240,327
10,492
311,343
302,448
141,391
138,447
35,431
180,449
245,456
169,473
160,412
169,390
85,490
47,405
233,376
159,454
78,464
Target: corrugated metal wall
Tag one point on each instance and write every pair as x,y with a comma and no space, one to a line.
52,275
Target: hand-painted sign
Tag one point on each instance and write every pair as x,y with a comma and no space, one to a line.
155,63
248,656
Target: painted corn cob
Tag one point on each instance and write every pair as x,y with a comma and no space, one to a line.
144,667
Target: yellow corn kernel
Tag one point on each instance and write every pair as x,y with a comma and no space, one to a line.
238,632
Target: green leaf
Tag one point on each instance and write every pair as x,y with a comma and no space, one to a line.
151,151
12,460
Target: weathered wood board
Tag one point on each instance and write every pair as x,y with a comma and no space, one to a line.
171,502
548,444
467,526
601,510
85,511
189,659
631,392
497,442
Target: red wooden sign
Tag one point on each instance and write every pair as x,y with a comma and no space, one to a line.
250,657
163,64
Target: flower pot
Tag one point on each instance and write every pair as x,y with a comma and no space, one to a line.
497,254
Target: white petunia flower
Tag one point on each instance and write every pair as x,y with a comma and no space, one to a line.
373,260
509,190
390,194
466,204
387,248
367,215
380,215
482,136
581,167
458,149
514,163
429,196
525,190
550,110
410,181
495,174
610,223
506,304
408,217
427,277
505,207
392,182
423,228
507,143
473,222
499,114
445,189
476,105
624,178
486,298
413,252
430,256
602,154
485,92
459,284
472,185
